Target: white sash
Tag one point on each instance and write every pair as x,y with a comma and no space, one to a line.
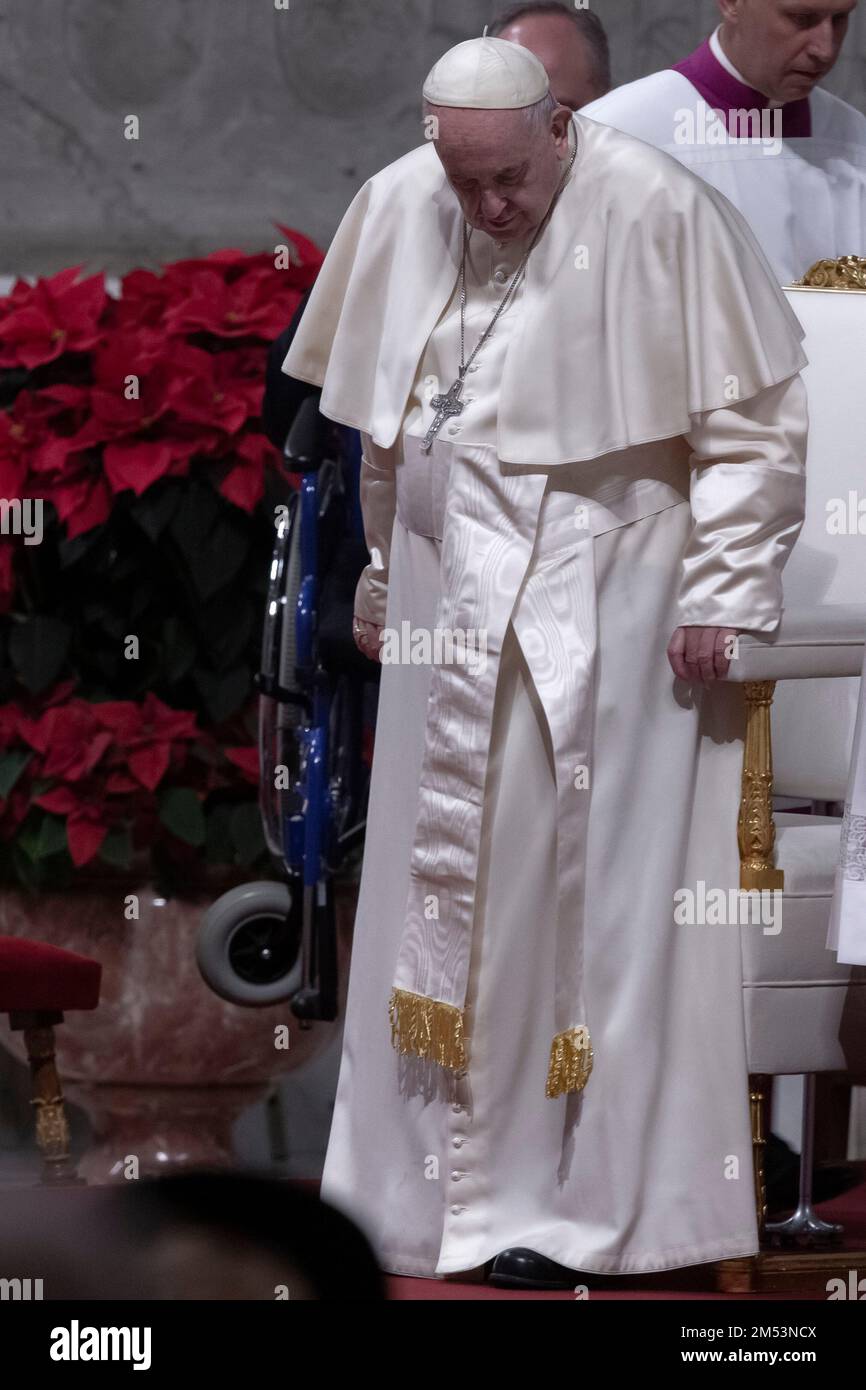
493,571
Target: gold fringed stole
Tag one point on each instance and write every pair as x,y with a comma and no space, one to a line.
570,1062
427,1028
430,1029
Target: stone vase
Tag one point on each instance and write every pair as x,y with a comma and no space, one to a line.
163,1067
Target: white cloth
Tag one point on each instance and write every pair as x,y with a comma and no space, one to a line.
804,203
438,1169
847,931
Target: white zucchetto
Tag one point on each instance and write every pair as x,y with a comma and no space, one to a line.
488,74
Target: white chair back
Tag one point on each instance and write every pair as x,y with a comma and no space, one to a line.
813,720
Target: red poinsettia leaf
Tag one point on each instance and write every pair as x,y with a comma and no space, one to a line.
83,505
122,717
78,307
247,759
62,800
136,465
84,837
309,254
59,693
244,484
150,764
121,783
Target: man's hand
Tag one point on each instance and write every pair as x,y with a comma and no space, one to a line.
368,637
698,653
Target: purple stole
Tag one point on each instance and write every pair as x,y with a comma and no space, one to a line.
723,92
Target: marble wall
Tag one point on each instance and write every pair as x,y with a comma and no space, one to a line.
249,111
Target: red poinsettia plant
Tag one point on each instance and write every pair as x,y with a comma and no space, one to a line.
137,495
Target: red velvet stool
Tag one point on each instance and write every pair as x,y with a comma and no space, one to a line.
37,984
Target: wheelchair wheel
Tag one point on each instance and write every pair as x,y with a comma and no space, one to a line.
248,948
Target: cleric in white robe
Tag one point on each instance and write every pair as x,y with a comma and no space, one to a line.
746,113
600,490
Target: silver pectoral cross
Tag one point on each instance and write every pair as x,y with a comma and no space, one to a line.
445,407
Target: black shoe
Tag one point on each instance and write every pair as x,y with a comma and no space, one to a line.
518,1268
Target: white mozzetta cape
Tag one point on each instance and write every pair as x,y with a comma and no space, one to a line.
648,302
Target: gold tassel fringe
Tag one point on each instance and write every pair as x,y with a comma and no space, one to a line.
427,1028
570,1062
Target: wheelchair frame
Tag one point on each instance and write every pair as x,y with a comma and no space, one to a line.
266,942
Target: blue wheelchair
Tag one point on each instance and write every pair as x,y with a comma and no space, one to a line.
275,940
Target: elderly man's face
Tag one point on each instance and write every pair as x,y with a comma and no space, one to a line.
503,170
784,47
564,52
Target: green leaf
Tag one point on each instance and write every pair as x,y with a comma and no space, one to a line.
153,511
27,838
116,849
52,837
12,764
71,551
39,648
225,693
194,517
24,868
247,832
101,616
180,812
225,628
220,845
213,544
231,541
178,651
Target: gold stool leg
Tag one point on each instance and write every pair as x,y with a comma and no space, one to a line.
52,1126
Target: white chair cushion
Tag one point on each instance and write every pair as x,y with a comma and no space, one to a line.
804,1012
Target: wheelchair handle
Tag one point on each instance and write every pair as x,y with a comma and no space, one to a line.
306,444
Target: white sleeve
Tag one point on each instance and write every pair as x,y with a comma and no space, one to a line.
378,504
747,490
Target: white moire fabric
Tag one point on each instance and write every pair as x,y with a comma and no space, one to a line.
804,203
650,1166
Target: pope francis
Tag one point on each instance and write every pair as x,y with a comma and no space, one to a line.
583,427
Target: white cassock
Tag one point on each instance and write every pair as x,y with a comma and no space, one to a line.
577,511
804,201
847,930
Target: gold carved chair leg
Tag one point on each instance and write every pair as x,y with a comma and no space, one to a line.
756,837
756,831
52,1126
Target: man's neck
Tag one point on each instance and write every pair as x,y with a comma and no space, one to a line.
717,46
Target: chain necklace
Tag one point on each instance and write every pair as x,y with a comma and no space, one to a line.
450,404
